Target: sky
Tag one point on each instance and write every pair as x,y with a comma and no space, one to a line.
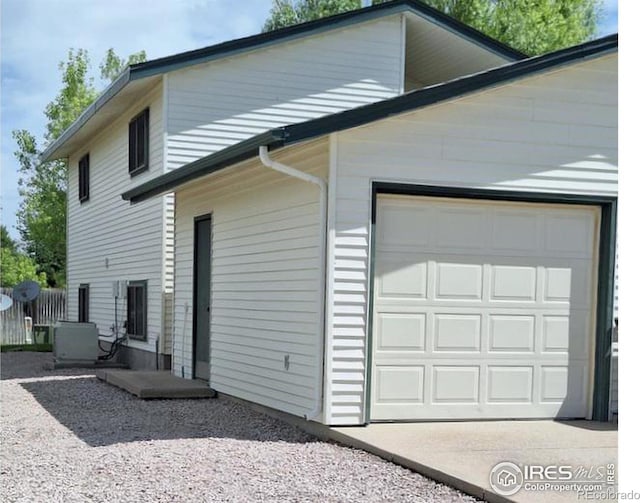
35,35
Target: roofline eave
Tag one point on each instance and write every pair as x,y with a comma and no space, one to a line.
289,135
282,35
114,88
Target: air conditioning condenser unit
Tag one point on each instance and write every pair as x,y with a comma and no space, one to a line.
75,342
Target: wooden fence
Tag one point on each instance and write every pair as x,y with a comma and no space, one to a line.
49,307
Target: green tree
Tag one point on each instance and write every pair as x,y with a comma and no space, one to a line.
6,241
43,186
531,26
288,12
42,212
76,94
112,65
16,267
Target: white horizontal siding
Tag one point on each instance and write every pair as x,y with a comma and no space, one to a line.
215,105
265,279
555,132
108,228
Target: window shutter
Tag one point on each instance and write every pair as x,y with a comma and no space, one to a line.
132,146
146,129
86,177
83,178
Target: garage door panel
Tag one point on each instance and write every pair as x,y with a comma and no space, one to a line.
402,279
460,329
401,332
515,231
556,382
510,384
456,332
466,229
458,281
499,330
570,235
566,334
515,283
480,391
569,284
510,279
399,384
513,333
396,226
455,384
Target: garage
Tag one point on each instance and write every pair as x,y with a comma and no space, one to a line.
482,309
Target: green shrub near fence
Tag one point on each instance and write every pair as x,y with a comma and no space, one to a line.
40,348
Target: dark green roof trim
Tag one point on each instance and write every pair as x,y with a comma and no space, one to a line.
295,133
345,19
262,40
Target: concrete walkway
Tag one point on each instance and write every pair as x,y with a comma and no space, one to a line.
462,454
156,384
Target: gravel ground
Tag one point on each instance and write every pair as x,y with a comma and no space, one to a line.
67,437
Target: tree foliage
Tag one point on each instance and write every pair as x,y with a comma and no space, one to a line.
6,241
288,12
42,214
15,266
76,94
112,65
531,26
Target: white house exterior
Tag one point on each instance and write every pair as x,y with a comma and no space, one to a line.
549,133
423,234
469,251
207,100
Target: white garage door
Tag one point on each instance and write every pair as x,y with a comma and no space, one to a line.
482,309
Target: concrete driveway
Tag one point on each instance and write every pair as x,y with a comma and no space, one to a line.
463,454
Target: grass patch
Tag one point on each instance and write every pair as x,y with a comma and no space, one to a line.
39,348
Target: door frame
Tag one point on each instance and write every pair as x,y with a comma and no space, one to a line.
604,279
196,221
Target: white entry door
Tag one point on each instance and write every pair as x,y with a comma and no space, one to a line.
482,309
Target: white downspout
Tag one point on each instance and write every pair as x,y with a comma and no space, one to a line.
288,170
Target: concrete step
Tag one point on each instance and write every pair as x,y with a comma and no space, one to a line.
156,384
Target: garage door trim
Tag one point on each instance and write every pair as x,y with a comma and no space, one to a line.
605,269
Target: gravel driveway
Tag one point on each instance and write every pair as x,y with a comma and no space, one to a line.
67,437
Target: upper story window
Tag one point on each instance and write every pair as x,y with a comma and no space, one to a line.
83,178
139,143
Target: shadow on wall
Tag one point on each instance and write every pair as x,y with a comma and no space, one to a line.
101,415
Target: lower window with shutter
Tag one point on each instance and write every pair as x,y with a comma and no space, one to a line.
137,310
83,303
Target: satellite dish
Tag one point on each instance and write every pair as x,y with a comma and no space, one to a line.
5,302
26,291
